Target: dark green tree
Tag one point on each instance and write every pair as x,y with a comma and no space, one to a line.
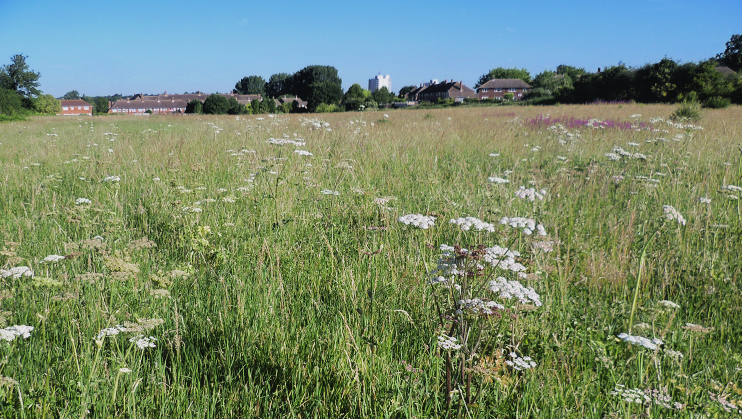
318,84
574,73
732,56
194,106
504,73
101,104
279,84
382,95
10,102
251,85
216,105
71,95
255,106
403,91
268,105
47,104
235,107
18,77
354,98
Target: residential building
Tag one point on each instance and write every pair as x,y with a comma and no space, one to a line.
380,81
288,99
76,107
448,89
168,104
497,88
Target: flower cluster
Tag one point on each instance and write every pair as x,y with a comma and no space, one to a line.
10,333
651,344
503,258
144,342
283,141
111,179
530,194
418,220
467,223
448,343
17,272
303,153
513,289
329,192
527,224
52,259
646,397
496,179
520,364
478,306
672,214
82,201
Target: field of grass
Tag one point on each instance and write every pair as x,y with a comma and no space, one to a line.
210,272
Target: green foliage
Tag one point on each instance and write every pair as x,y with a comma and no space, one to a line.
71,95
405,90
18,77
717,102
508,96
537,93
732,55
268,105
251,85
573,73
278,84
255,106
318,84
10,102
383,95
47,104
286,107
689,110
194,106
101,105
325,108
235,107
216,105
504,73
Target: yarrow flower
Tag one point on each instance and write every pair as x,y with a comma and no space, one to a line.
82,201
17,272
668,304
513,289
651,344
303,153
499,180
448,343
144,342
530,194
672,214
704,200
111,179
283,141
527,224
52,259
467,223
10,333
418,220
520,364
478,306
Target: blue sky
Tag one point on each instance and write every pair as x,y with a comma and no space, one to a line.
132,46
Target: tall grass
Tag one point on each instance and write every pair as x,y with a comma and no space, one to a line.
269,298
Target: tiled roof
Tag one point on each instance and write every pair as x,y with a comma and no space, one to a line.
725,70
454,89
505,84
75,102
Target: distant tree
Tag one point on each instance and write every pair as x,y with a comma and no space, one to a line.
318,84
354,98
216,105
89,100
504,73
19,78
732,56
194,106
508,96
255,106
286,107
574,73
235,107
251,85
47,104
655,82
101,104
279,84
10,102
71,95
383,95
268,105
403,91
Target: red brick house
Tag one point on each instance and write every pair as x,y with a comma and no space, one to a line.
448,89
168,104
497,88
76,107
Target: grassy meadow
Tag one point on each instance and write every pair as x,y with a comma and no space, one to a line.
209,272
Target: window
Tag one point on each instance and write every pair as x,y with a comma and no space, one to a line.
525,89
485,90
64,108
512,90
86,107
498,90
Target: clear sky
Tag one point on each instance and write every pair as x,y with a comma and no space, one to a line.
132,46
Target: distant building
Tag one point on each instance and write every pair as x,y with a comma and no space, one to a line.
380,81
448,89
497,88
168,104
76,107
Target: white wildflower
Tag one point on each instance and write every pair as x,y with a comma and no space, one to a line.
82,201
17,272
110,331
732,188
672,214
521,363
303,153
329,192
418,220
448,343
530,194
467,223
704,200
10,333
513,289
496,179
144,342
111,179
478,306
52,259
668,304
650,344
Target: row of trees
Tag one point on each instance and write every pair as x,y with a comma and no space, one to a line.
317,84
19,90
661,82
217,104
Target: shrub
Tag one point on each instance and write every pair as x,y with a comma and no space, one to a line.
325,108
508,96
216,105
689,110
194,106
717,102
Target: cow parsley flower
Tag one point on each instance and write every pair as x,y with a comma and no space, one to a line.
144,342
668,304
83,201
530,194
672,214
418,220
704,200
17,272
521,363
527,224
467,223
303,153
498,180
651,344
478,306
10,333
111,179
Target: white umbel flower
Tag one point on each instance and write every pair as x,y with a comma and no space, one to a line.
672,214
650,344
52,259
12,332
467,223
83,201
17,272
513,289
448,343
111,179
418,220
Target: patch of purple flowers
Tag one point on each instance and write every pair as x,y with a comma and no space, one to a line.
574,123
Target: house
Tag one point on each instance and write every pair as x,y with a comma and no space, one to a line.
76,107
288,99
447,89
168,104
497,88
